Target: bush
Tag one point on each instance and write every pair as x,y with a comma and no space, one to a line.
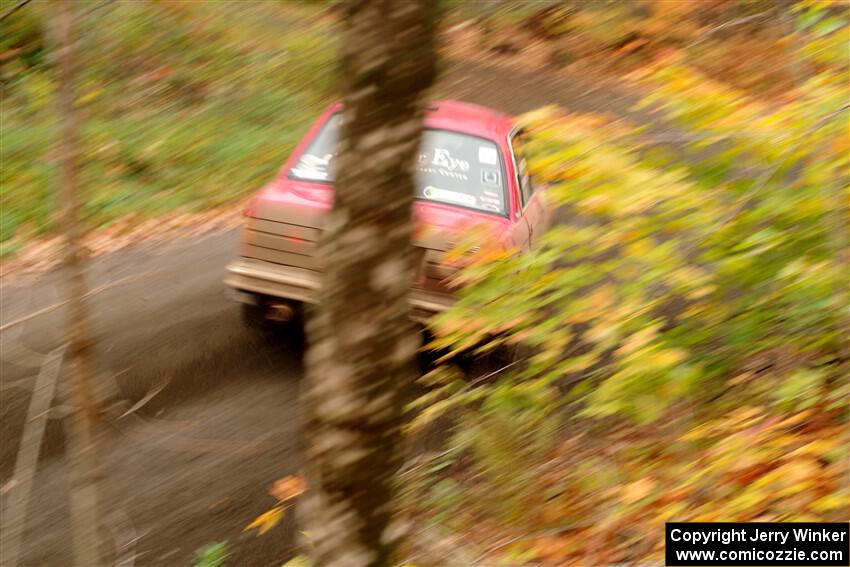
687,323
188,105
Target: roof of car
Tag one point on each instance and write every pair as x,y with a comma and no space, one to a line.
465,117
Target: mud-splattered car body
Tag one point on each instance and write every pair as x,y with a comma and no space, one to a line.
468,174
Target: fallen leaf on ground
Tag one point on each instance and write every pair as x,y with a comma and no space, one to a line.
266,521
288,487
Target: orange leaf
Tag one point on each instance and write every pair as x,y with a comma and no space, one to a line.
288,487
638,490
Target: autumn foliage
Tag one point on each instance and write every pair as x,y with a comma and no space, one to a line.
682,334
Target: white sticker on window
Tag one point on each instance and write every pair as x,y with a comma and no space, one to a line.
449,196
487,155
443,159
490,176
311,167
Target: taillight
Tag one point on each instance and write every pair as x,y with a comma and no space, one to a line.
250,208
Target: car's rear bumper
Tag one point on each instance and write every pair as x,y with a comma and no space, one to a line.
267,278
251,276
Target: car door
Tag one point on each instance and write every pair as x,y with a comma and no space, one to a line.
531,207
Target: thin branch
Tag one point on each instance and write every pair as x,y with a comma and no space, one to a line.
14,9
493,373
729,24
97,7
148,397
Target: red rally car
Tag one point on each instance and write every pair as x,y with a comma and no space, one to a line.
469,172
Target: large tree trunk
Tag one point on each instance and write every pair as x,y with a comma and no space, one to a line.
362,341
83,427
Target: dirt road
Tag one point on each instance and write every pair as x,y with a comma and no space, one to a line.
191,467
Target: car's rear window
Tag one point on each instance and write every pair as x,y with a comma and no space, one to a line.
452,168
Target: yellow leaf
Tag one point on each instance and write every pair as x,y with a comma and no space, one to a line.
830,502
596,204
638,340
745,416
800,470
639,248
667,357
90,96
697,433
815,448
266,521
796,419
297,561
637,490
795,488
701,292
581,317
581,362
741,378
603,297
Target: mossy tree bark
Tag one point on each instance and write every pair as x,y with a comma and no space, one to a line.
84,426
362,340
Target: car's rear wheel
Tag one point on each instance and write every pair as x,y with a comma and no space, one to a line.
490,365
275,321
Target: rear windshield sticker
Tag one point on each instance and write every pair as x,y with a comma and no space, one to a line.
444,160
444,173
448,162
490,176
310,159
311,167
443,163
449,196
487,155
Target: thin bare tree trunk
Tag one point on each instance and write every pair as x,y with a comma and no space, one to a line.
362,341
83,426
